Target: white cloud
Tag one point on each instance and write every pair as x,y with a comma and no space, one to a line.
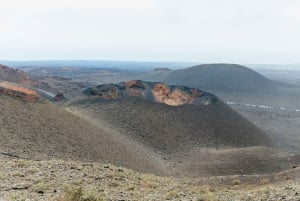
204,30
31,5
293,11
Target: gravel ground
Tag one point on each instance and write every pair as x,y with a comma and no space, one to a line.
52,180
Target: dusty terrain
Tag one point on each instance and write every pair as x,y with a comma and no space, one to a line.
280,125
42,130
57,180
203,151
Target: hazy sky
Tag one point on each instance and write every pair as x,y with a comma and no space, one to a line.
235,31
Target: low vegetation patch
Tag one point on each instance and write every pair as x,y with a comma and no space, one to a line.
78,194
236,182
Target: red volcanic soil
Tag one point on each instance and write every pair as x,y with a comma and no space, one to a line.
15,90
14,75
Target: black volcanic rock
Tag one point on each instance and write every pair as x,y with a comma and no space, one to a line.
152,91
59,97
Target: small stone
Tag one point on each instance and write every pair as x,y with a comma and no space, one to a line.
20,187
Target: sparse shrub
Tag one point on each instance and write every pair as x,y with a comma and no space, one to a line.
114,184
23,164
40,187
3,176
267,190
265,181
287,177
77,182
33,170
203,190
236,182
18,174
79,195
14,197
131,188
172,194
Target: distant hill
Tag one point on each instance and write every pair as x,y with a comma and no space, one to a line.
229,77
14,75
231,82
108,64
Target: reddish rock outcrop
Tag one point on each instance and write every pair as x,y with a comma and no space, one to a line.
14,90
152,91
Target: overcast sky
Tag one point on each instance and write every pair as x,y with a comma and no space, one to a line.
234,31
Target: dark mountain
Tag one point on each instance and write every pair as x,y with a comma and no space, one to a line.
231,82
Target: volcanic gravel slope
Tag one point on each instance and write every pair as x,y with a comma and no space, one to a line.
42,130
201,139
179,131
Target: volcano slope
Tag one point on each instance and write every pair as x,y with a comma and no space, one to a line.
231,82
193,131
33,128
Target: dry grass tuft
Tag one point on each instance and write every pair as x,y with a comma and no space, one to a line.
236,182
79,195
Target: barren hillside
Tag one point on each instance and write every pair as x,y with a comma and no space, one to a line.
201,139
42,130
231,82
14,75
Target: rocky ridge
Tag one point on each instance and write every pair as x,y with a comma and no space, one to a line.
18,91
152,91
